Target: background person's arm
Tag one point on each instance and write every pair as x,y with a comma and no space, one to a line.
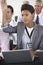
10,29
4,11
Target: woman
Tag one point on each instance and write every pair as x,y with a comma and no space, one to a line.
29,34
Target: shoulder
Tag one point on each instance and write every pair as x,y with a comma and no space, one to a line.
38,27
20,24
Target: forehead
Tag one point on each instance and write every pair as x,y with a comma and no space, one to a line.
8,9
26,11
38,3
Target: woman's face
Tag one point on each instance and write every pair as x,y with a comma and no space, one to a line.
9,14
27,16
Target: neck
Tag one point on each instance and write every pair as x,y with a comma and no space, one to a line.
30,25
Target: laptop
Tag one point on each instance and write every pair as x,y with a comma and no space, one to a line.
40,55
17,56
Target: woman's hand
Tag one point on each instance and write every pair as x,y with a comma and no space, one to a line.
3,5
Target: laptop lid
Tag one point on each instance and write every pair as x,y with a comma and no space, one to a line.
17,56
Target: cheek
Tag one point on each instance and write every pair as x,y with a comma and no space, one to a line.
37,9
29,17
7,14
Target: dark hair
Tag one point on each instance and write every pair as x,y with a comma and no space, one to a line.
9,6
27,7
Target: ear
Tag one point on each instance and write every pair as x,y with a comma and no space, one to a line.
12,14
33,15
42,7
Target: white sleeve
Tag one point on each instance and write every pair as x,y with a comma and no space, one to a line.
4,38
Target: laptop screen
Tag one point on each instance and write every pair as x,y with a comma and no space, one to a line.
17,56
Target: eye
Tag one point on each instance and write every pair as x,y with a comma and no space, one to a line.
38,6
7,11
22,15
26,14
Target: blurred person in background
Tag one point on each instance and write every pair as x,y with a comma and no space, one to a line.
38,12
9,13
4,41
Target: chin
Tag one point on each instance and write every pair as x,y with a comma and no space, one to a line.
26,23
